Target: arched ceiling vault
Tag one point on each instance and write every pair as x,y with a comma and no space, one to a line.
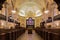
41,3
35,6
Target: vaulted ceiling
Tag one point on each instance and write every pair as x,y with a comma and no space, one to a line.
26,7
33,7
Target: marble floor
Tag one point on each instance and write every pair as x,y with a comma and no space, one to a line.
32,36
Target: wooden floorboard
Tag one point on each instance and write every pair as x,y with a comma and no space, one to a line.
32,36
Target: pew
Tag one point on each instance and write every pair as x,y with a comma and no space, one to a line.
11,34
48,34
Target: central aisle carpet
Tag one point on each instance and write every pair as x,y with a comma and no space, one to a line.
32,36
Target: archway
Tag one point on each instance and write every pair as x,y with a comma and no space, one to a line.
30,23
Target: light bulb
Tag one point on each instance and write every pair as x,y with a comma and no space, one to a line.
13,11
2,23
46,11
57,24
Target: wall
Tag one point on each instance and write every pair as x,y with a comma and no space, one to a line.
37,21
22,21
6,25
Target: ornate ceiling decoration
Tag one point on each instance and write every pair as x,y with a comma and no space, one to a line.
30,6
33,6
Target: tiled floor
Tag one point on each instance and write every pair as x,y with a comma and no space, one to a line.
32,36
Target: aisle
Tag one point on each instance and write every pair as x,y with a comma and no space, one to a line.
27,36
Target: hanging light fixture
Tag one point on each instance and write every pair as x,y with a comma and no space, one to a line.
46,11
13,11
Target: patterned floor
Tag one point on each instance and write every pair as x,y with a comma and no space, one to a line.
32,36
